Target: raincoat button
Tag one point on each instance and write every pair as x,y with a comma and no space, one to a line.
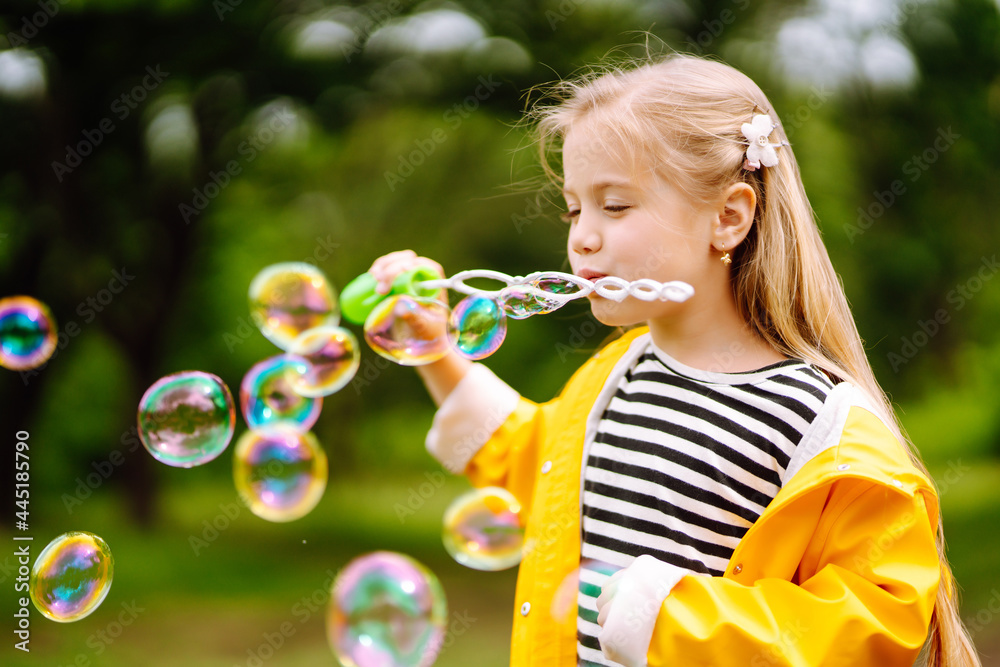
844,466
738,569
547,466
525,608
897,483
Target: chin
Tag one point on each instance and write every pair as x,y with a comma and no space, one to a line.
615,314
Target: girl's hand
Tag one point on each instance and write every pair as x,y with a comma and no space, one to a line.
628,606
385,269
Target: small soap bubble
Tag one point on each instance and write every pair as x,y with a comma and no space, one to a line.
333,355
483,529
27,333
289,298
589,579
386,610
555,285
268,398
522,301
71,576
412,331
280,474
477,326
186,419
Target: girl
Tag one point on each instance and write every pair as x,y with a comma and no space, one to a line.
734,458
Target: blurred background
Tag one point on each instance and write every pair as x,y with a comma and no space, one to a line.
157,154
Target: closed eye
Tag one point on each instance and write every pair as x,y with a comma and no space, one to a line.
569,215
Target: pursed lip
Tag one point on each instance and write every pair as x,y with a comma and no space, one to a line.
590,274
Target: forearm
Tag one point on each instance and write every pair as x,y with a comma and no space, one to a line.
443,375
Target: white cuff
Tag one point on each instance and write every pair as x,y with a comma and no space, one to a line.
478,405
636,596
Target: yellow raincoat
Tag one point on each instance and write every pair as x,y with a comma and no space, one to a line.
840,569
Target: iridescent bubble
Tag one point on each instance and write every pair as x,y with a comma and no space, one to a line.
477,326
412,331
268,398
27,333
555,285
280,474
71,577
289,298
187,418
333,356
483,529
522,301
588,578
386,610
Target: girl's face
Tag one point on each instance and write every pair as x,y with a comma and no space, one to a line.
632,229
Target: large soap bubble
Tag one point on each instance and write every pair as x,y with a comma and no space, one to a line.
71,576
333,356
386,610
412,331
483,529
477,326
187,418
268,397
280,474
27,333
289,298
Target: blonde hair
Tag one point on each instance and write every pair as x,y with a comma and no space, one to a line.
688,111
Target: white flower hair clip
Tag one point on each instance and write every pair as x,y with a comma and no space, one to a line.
760,151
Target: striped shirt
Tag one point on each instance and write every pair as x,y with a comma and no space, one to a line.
683,462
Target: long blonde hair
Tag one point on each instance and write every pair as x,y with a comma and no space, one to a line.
688,111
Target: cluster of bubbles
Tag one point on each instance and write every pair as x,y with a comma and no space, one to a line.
279,468
27,333
71,576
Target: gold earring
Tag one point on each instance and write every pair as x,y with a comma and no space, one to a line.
725,257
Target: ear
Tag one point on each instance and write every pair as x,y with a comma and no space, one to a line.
735,216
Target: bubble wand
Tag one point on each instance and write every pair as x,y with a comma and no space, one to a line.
408,326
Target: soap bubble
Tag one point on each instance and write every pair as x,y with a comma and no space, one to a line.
280,474
412,331
591,575
483,529
187,418
386,610
289,298
268,398
522,301
27,333
71,576
333,356
477,326
555,285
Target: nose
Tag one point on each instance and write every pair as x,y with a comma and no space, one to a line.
584,237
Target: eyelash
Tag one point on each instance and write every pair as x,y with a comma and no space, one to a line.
568,216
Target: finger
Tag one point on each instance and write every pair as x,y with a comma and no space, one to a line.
606,596
602,614
390,271
378,266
